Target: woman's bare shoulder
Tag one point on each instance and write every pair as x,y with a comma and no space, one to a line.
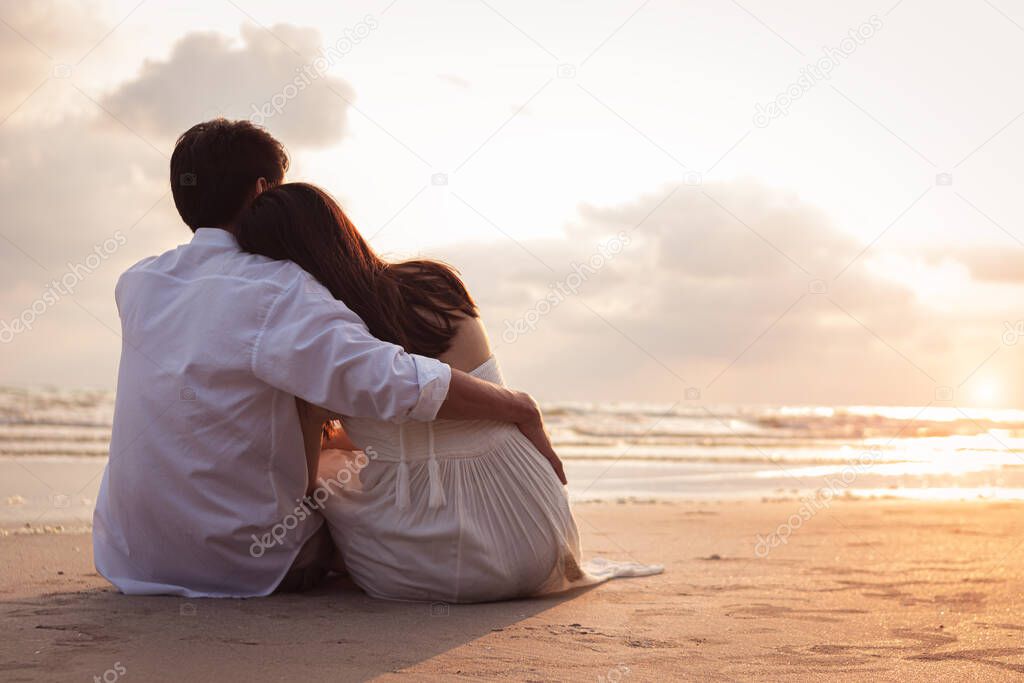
470,346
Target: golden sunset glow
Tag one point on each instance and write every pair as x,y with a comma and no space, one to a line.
838,245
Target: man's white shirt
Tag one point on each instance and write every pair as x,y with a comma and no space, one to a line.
206,457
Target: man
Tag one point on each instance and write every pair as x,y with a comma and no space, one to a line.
206,451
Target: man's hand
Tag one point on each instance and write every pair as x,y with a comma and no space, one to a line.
533,429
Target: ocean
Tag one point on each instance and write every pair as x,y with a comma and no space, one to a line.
53,446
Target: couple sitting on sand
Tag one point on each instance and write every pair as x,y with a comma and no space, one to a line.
277,334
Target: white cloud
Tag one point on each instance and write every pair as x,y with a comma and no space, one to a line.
209,74
697,285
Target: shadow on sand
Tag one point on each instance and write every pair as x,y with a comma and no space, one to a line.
333,633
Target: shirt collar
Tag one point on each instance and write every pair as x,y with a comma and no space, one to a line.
215,237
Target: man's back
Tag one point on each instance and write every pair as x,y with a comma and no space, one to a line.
196,467
203,493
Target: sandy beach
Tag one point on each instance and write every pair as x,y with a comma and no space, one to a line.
879,590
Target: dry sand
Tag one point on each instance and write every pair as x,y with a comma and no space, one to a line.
863,591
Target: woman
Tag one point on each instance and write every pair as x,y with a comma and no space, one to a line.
454,511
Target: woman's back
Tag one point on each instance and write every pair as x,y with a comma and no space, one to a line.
480,515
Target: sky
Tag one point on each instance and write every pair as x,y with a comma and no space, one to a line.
717,202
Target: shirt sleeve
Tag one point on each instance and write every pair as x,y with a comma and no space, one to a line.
314,347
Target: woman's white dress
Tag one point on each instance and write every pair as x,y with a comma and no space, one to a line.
457,511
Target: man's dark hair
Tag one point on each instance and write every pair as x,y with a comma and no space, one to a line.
215,166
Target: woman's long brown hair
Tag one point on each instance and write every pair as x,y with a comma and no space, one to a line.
415,304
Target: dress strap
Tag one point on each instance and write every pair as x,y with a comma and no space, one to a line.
437,497
402,479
